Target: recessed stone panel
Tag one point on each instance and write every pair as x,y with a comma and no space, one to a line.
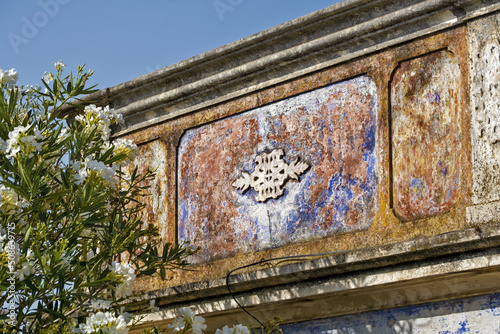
331,130
153,156
485,106
426,135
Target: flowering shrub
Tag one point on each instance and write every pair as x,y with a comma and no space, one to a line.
72,241
71,236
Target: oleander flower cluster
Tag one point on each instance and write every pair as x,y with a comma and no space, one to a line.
24,140
71,241
94,168
103,118
8,78
236,329
102,319
10,201
126,276
72,235
188,322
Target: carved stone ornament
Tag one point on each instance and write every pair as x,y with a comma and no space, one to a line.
270,175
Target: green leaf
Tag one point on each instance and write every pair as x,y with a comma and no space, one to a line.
148,272
30,285
69,88
54,314
27,242
163,273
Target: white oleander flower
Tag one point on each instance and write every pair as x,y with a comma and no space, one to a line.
107,173
25,270
225,330
14,141
59,65
198,324
127,147
103,118
100,304
178,324
126,316
119,326
80,173
240,329
8,78
20,141
188,317
103,322
80,118
27,266
124,289
32,140
10,202
187,313
48,77
63,134
29,90
83,169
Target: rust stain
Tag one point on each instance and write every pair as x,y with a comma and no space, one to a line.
332,128
153,156
426,135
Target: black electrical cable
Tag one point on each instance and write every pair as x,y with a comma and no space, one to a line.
291,257
283,258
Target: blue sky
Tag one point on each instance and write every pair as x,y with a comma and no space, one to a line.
122,40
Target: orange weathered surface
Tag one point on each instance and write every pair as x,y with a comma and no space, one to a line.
426,135
333,129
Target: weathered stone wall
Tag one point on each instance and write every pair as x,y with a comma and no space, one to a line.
485,106
470,315
363,139
386,140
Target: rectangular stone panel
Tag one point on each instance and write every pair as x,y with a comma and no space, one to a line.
320,150
485,105
426,135
153,156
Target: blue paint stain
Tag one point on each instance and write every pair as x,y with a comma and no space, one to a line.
277,124
434,98
369,142
418,186
445,317
184,213
464,328
330,149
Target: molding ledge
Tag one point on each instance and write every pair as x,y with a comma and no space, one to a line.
452,265
339,33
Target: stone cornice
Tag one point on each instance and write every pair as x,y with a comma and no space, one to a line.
455,264
322,39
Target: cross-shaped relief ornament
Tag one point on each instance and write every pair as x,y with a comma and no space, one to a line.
270,175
